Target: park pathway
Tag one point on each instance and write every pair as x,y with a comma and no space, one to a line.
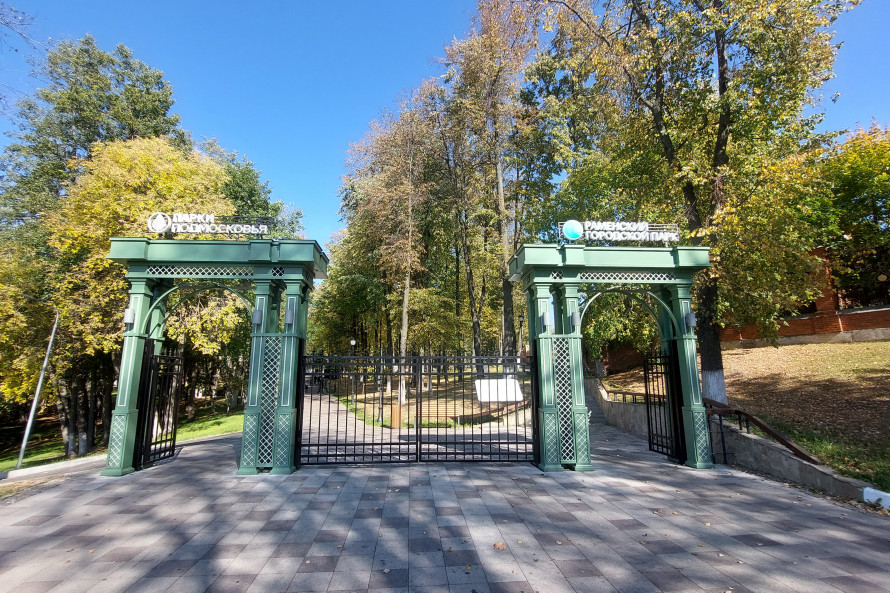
636,524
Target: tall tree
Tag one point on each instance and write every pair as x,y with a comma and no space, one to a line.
91,96
692,99
388,188
485,76
118,187
858,173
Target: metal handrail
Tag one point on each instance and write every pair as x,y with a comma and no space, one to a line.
715,408
615,395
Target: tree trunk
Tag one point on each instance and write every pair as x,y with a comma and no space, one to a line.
713,381
92,397
509,343
471,287
403,336
460,344
63,411
111,372
82,414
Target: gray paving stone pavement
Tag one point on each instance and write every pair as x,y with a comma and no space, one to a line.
636,524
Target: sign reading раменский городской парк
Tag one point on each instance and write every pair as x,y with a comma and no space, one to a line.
179,222
595,230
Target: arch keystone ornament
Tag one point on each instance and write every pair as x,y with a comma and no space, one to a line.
282,273
554,273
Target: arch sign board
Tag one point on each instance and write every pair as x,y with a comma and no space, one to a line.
189,223
619,231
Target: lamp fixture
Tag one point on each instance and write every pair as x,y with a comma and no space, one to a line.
257,317
547,320
576,319
289,317
690,320
129,316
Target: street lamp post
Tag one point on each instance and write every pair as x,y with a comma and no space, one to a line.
521,337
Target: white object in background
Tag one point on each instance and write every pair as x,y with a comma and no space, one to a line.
876,496
498,390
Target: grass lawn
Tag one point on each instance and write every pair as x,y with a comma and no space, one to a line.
832,399
45,445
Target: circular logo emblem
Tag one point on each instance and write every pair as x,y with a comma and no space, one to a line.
159,222
572,230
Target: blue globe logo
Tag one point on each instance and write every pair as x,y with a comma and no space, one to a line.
572,230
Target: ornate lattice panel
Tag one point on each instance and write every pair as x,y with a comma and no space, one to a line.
627,277
551,434
556,275
269,387
278,271
116,441
702,444
562,378
191,271
284,440
583,452
248,442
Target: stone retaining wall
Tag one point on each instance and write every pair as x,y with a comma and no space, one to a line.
743,450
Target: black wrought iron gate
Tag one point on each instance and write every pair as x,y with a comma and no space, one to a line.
664,403
159,390
361,409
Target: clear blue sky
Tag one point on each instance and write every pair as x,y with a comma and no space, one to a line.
291,84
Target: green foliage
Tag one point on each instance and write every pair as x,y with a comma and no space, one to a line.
858,172
91,96
765,261
118,188
613,319
693,113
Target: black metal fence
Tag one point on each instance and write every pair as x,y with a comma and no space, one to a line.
360,409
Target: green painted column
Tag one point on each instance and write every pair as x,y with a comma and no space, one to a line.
548,415
286,407
695,422
124,418
253,449
580,416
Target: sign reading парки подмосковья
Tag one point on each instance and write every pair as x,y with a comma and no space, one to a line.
179,222
596,230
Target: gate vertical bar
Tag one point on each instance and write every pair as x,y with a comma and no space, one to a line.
143,404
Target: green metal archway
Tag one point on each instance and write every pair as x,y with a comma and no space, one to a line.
281,271
555,273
